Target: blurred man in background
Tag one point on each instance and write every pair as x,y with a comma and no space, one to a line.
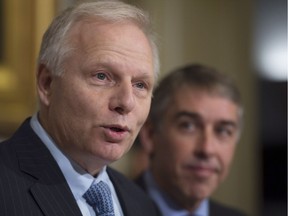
191,135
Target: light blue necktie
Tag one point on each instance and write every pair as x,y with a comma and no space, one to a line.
99,197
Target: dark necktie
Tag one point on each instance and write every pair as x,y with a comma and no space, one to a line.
99,197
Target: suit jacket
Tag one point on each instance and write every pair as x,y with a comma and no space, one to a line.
215,208
31,182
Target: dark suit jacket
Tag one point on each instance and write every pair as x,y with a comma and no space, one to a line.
215,208
31,183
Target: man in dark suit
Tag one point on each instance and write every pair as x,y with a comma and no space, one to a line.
97,67
190,135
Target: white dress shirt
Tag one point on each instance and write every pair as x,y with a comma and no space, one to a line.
77,178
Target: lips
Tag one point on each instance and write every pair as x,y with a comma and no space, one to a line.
115,133
202,171
116,129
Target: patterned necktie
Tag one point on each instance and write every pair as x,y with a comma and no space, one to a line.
99,197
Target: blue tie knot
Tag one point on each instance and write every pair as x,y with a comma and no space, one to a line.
99,197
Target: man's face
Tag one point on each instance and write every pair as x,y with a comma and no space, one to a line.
193,149
98,106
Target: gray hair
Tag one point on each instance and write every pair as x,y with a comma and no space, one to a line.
195,76
55,43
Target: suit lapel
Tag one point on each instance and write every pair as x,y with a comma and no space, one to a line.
50,191
130,206
122,197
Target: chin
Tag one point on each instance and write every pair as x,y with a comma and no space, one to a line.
114,155
199,194
201,191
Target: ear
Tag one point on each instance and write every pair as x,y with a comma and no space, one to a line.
146,137
44,81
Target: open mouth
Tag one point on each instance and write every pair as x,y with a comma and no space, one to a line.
115,133
116,129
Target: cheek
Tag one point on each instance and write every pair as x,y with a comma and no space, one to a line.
142,112
73,113
171,149
226,158
81,103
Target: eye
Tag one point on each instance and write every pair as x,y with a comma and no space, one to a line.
187,126
101,76
225,132
139,85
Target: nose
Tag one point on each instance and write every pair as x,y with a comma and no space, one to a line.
123,99
206,145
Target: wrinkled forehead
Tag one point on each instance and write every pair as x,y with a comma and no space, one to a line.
97,22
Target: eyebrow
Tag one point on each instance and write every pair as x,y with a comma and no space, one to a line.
229,123
197,117
187,114
110,63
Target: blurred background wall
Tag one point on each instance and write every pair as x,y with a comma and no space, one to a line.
246,39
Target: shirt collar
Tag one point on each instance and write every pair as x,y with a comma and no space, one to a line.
166,205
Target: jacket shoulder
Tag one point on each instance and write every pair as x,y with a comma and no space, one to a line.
219,209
